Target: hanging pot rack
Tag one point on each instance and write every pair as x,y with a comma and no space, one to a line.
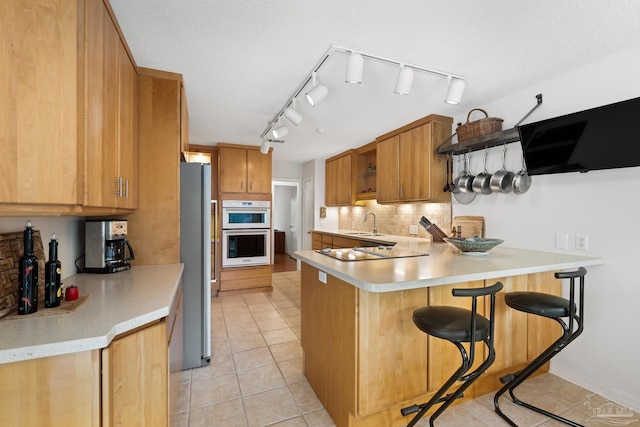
486,141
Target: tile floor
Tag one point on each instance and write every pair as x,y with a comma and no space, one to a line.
255,377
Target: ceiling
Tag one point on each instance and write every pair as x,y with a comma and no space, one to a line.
242,61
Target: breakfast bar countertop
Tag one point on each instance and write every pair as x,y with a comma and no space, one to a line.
118,303
443,266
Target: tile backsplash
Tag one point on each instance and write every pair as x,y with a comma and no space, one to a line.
395,219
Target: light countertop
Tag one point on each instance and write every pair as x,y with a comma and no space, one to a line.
443,266
119,302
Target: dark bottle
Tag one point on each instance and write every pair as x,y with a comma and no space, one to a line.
28,276
52,271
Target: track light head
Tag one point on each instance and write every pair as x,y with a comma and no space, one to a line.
317,93
264,148
404,81
454,93
293,116
355,68
279,132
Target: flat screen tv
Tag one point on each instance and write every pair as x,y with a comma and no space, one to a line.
600,138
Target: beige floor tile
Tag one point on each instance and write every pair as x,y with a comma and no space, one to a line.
241,329
269,407
214,390
305,397
293,422
182,419
227,414
289,311
279,336
297,330
262,306
293,320
238,319
265,315
253,358
246,342
219,365
185,376
260,379
220,347
292,371
319,418
182,402
519,415
458,417
286,350
272,325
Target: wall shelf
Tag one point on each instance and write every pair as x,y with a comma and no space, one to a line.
480,143
486,141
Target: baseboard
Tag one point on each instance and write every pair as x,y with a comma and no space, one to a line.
617,396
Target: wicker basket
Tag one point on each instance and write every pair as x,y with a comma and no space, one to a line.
480,127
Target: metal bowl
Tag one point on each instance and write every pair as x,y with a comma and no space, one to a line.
473,244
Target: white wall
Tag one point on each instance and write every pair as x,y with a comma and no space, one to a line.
602,204
69,231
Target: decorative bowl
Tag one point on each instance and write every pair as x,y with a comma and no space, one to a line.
473,244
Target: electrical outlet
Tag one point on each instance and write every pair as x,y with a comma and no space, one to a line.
562,241
582,242
413,230
322,276
353,225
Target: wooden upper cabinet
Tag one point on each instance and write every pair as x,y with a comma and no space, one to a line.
339,183
41,107
408,168
244,170
112,111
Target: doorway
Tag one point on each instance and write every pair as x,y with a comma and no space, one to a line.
286,223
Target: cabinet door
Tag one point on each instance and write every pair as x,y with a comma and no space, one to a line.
415,164
233,170
128,130
134,379
258,172
344,181
39,106
387,158
101,102
330,183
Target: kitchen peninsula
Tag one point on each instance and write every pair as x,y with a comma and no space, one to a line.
117,357
364,357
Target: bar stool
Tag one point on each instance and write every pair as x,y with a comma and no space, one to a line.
553,307
457,325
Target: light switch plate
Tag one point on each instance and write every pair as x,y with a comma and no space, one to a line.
322,276
562,241
413,230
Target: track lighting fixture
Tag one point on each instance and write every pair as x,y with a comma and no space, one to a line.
292,115
456,88
355,68
404,81
317,93
264,148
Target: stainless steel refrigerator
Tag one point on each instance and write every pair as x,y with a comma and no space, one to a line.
195,253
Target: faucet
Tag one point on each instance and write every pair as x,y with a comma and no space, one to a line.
375,229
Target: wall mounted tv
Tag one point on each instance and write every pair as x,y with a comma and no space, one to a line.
600,138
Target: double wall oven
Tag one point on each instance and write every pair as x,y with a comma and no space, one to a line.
246,231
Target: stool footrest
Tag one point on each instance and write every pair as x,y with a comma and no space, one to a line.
415,408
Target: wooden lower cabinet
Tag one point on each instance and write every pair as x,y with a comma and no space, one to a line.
365,359
134,379
57,391
245,279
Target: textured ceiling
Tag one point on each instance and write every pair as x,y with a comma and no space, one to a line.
241,60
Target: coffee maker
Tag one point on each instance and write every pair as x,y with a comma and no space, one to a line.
106,246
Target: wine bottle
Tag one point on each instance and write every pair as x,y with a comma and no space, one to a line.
28,275
52,271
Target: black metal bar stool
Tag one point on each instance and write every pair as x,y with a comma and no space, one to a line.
553,307
457,325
